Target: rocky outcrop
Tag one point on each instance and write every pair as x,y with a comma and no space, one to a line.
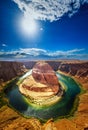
79,69
10,119
9,70
73,67
53,64
43,73
42,86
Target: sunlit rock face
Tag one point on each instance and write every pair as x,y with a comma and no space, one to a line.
43,73
42,86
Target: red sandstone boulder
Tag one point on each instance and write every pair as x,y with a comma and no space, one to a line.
43,73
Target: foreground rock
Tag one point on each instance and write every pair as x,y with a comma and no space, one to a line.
42,87
10,120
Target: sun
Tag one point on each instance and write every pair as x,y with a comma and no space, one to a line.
29,26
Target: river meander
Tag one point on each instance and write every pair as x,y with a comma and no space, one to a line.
62,108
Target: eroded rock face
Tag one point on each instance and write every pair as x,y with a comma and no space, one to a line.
73,67
9,70
42,86
43,73
79,69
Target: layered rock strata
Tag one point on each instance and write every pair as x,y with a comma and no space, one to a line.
43,73
42,86
9,70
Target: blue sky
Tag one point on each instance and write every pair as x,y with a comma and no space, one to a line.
62,30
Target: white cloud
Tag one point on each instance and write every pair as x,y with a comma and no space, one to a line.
36,53
49,9
4,45
33,51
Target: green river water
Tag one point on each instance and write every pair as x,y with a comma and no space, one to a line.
63,108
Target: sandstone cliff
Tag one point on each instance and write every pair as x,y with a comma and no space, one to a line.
11,120
9,70
73,67
79,69
41,85
43,73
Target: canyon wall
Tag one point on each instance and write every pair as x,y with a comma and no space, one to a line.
10,119
9,70
72,67
79,69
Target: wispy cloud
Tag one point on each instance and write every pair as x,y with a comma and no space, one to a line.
36,53
49,9
4,45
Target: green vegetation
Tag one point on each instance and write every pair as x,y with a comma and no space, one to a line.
3,100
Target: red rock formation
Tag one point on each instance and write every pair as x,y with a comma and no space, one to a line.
79,69
43,73
42,86
73,67
10,69
53,89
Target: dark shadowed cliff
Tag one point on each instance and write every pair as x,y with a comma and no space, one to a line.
9,70
79,69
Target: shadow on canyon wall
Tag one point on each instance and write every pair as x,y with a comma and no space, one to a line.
9,69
